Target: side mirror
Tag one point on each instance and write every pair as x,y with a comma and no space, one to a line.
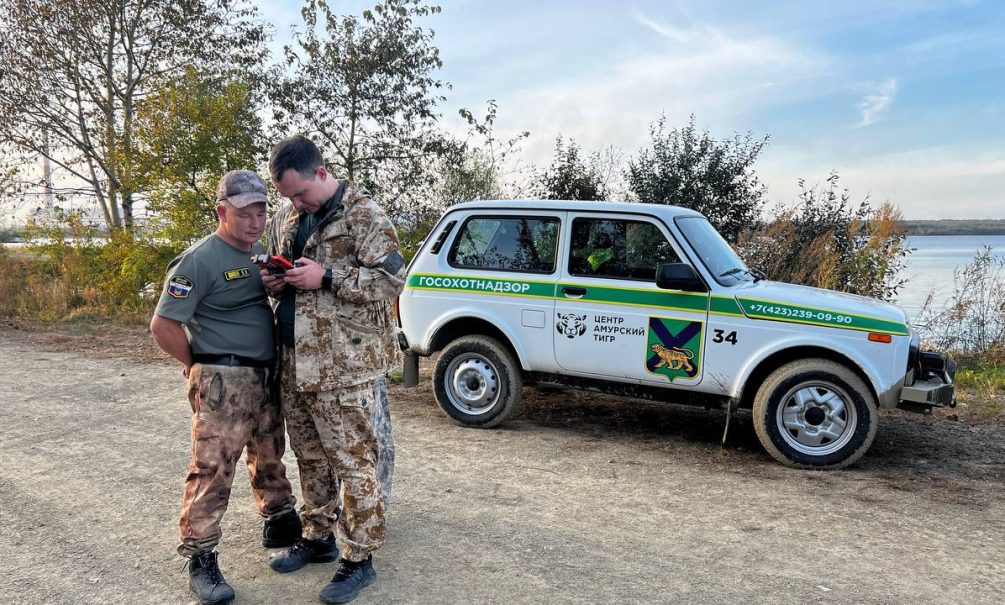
679,276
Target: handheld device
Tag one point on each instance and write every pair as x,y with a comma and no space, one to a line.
277,265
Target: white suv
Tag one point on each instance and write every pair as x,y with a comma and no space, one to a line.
649,301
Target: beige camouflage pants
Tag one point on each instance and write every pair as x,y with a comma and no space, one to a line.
232,411
332,435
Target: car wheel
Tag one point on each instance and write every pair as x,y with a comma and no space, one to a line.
815,413
477,381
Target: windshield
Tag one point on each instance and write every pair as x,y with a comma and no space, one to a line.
720,260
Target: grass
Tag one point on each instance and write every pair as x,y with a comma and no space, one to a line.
78,285
981,384
396,376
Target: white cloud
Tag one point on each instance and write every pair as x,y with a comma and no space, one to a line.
692,36
723,79
874,106
940,182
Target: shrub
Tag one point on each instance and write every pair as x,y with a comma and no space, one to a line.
71,268
972,322
828,243
9,234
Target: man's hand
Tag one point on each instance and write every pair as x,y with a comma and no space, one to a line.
272,282
305,277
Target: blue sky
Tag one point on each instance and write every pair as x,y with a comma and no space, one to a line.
906,99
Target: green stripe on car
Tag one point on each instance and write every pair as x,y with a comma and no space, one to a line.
636,297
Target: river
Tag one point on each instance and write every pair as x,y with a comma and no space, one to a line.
933,261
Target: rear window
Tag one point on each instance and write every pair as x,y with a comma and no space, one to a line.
507,243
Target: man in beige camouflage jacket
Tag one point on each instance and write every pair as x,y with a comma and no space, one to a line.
337,344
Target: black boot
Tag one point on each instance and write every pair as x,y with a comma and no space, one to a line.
350,578
282,531
206,580
303,552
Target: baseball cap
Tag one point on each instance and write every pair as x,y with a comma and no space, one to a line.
241,188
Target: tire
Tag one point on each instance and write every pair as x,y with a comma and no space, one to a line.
815,414
477,381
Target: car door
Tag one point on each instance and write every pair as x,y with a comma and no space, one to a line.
502,267
611,320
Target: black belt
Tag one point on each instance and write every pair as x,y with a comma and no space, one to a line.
231,360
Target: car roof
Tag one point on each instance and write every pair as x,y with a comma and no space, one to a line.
661,210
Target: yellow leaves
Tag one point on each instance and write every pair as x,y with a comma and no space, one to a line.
826,243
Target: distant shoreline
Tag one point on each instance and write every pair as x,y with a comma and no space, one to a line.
956,227
917,227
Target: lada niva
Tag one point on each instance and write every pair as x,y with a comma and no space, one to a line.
650,301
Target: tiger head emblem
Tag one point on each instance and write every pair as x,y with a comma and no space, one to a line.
571,325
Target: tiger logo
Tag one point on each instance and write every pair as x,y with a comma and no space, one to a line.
675,358
571,325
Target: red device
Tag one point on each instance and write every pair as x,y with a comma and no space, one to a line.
277,265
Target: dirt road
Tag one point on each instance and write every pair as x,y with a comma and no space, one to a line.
584,499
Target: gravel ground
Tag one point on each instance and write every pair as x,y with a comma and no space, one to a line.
582,499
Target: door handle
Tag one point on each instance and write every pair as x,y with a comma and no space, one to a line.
573,291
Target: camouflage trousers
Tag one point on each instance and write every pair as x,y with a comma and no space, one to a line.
231,411
337,449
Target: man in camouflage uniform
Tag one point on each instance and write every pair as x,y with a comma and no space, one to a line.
213,316
337,344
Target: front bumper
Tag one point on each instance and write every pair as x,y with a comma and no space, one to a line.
930,384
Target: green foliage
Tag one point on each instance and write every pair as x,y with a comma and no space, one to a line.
363,88
684,167
466,169
828,242
982,372
74,73
570,177
472,168
980,383
9,234
73,268
188,134
396,376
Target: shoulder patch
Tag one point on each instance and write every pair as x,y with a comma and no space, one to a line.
233,274
180,286
393,263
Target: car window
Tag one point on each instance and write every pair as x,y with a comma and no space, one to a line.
504,243
618,248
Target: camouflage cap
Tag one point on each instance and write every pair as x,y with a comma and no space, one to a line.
241,188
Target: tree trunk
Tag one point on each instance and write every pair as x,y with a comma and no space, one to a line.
110,145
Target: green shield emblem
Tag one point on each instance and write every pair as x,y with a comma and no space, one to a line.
673,347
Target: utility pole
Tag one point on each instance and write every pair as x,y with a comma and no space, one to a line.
47,175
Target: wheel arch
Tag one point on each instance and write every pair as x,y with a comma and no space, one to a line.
470,325
781,357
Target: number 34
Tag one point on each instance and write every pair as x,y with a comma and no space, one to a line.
730,338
